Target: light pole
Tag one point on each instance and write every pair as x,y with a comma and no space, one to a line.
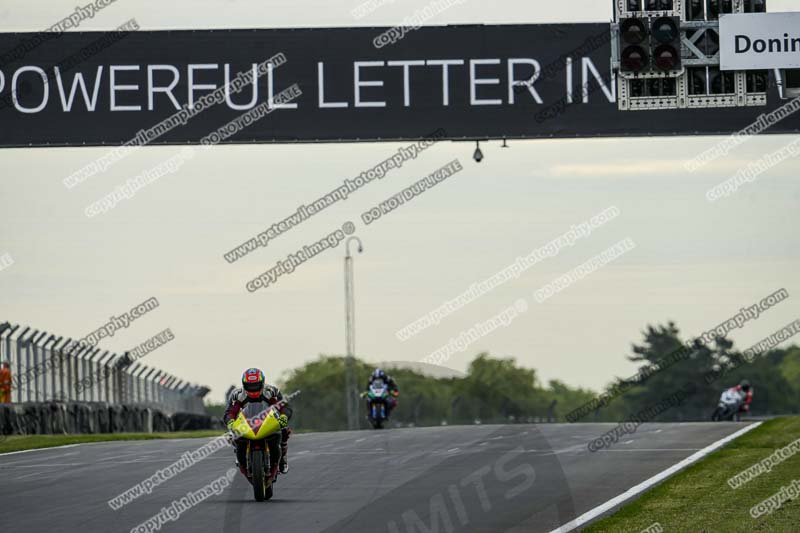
350,334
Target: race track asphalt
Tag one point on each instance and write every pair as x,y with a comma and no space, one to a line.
482,478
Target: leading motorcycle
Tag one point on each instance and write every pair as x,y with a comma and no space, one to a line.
730,403
260,425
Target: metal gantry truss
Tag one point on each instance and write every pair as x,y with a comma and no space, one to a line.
695,61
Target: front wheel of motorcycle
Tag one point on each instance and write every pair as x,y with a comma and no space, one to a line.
259,475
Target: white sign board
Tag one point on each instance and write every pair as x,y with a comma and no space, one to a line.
760,41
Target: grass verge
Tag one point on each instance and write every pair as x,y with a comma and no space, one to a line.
14,443
699,499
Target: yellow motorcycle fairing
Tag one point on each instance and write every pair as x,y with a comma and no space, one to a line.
243,429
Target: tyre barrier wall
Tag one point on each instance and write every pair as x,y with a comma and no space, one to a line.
50,418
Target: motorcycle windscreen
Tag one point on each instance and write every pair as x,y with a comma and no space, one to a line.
730,397
248,422
377,388
262,418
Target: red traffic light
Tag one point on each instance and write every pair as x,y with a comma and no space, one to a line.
666,57
634,59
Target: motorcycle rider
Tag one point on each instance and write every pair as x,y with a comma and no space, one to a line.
745,391
390,384
255,389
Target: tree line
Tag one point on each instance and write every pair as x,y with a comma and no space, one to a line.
499,390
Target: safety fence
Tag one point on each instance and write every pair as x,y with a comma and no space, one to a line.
45,367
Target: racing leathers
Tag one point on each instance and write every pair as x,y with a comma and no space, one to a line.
747,397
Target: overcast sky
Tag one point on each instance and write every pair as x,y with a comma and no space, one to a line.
695,262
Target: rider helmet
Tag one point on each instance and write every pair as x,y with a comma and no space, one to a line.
745,385
253,382
378,373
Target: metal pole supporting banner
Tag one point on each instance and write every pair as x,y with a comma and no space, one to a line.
350,335
349,381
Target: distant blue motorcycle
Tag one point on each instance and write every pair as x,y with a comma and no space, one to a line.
377,403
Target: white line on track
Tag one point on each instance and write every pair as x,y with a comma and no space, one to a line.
649,450
40,466
24,461
120,456
39,473
575,448
364,452
644,485
95,443
43,449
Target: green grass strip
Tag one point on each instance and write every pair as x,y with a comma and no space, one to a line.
699,499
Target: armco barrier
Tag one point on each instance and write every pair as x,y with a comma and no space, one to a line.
52,418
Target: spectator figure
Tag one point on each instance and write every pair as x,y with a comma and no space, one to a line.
5,382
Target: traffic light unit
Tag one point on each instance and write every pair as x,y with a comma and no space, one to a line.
650,46
666,56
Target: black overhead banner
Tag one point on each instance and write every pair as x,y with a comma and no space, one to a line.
327,84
